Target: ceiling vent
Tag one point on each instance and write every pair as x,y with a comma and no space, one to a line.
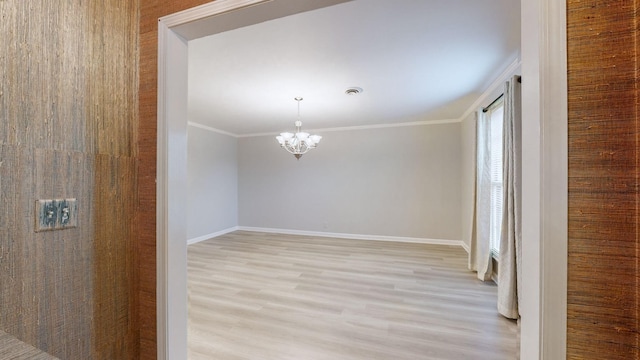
353,91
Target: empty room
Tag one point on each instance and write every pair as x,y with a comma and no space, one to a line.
331,183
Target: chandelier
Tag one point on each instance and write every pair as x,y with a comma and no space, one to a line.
299,143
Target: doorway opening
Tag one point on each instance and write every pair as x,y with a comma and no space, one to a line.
543,313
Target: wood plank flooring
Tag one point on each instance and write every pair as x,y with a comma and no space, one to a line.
271,296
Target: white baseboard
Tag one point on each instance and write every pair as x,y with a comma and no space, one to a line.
356,236
212,235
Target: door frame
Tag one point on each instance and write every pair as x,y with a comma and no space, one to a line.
544,182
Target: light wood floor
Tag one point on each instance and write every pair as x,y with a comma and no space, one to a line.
268,296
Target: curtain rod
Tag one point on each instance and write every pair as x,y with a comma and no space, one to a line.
485,109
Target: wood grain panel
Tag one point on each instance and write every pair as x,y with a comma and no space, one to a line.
114,269
150,11
113,88
43,87
603,180
60,262
16,235
68,126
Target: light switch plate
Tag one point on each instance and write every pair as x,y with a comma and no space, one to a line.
54,214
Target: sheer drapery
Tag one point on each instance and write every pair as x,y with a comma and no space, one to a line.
480,244
510,257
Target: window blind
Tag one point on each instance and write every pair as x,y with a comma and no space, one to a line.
496,119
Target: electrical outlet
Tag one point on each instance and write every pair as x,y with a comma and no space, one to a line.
56,214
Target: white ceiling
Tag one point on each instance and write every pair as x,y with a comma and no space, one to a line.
417,60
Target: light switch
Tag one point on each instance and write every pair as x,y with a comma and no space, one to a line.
46,215
67,211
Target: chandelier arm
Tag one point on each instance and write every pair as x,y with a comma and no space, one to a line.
298,149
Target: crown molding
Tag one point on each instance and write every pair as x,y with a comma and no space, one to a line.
364,127
209,128
496,84
345,128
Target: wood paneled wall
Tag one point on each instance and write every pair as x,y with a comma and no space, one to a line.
68,126
603,180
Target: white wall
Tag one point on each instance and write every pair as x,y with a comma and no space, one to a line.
401,182
212,182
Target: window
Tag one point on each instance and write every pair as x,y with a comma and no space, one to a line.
495,116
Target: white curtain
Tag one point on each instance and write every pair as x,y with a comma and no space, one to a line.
480,244
510,258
